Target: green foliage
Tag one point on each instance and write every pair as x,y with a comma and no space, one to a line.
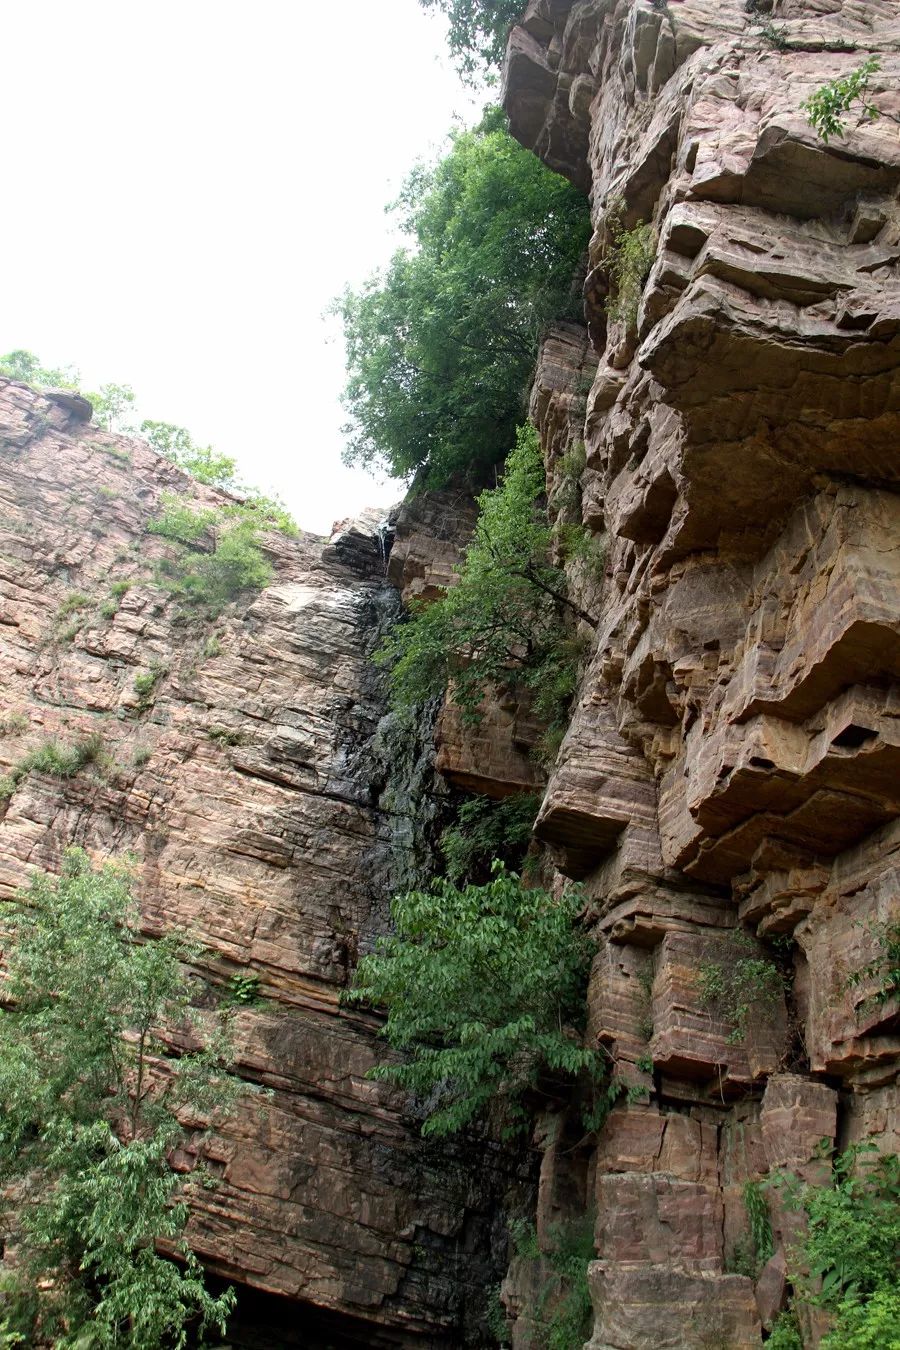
481,985
628,263
109,609
13,724
751,1253
884,969
182,522
785,1333
827,107
200,461
51,757
243,990
848,1260
25,366
225,736
111,406
740,986
210,578
212,647
120,588
141,755
485,830
502,624
75,600
872,1324
441,346
572,1249
90,1101
478,30
145,683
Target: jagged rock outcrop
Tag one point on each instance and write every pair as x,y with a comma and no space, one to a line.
257,782
731,766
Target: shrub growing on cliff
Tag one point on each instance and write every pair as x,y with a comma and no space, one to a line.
504,622
827,108
848,1259
628,263
441,346
90,1101
481,985
220,554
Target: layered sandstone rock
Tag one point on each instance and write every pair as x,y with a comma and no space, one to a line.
732,759
269,813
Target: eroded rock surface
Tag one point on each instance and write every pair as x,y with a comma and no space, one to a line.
731,766
256,784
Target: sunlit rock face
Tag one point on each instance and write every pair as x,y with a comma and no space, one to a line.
270,809
733,758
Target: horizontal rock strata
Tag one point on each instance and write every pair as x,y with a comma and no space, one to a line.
731,767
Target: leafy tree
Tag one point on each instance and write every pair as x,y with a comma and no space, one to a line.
112,405
503,623
441,346
483,986
90,1114
200,461
25,366
478,30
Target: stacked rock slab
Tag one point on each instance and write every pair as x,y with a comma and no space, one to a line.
247,787
733,761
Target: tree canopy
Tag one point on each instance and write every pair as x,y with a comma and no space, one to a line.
440,346
484,989
90,1099
478,29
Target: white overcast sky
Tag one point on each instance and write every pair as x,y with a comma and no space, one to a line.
189,183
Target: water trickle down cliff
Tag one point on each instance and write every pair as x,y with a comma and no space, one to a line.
732,759
271,806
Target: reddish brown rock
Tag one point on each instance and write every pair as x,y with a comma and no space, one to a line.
248,785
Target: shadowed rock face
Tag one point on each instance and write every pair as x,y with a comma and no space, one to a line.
270,809
733,756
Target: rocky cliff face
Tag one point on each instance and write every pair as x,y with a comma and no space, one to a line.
270,808
731,767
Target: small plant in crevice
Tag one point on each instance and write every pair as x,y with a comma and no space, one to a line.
140,756
826,109
144,685
13,724
486,830
628,261
226,736
219,550
883,971
71,603
484,990
563,1310
735,988
54,758
751,1252
243,990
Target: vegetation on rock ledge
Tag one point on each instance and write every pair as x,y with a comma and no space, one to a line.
504,623
484,988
